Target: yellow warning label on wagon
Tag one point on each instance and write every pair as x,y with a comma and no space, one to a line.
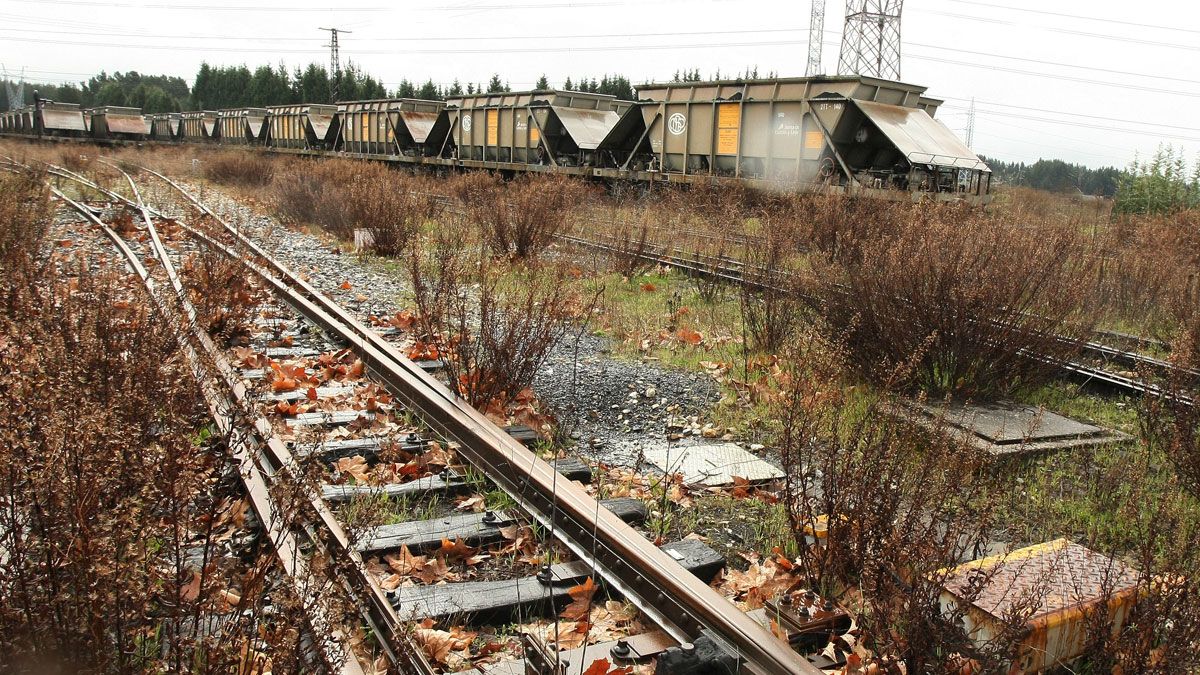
493,127
534,135
729,119
813,140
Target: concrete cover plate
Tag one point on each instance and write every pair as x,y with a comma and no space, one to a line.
1006,427
1004,423
712,465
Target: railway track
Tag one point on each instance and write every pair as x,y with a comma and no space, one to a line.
682,609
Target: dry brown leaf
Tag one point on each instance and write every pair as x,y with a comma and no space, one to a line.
356,466
581,601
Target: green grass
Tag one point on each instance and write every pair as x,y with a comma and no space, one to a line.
1070,400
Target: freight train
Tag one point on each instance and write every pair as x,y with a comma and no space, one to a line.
850,134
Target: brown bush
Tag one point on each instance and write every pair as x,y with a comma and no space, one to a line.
219,291
495,332
342,196
1150,272
24,218
522,217
771,305
244,168
902,505
391,208
972,296
112,507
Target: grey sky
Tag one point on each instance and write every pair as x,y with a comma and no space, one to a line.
1002,52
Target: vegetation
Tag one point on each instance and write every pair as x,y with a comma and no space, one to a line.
1161,185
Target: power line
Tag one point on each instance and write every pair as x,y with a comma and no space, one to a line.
1066,31
1076,114
1089,125
1054,63
1121,22
262,38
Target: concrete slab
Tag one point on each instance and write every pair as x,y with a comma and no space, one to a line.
713,465
1006,427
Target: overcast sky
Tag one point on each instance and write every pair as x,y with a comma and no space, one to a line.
1089,82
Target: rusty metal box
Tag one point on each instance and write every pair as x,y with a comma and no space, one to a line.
1055,585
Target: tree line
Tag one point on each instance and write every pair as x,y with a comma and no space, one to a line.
218,87
151,93
1055,175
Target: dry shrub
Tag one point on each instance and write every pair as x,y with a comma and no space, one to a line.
77,158
971,296
902,505
391,208
495,322
244,168
770,301
220,292
1150,273
24,204
1159,507
112,507
342,196
523,216
300,194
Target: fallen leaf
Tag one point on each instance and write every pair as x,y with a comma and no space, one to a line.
581,601
475,503
604,667
346,285
356,466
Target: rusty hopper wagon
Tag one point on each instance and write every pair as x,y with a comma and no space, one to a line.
199,126
304,126
56,119
855,133
399,126
165,126
545,128
242,126
114,122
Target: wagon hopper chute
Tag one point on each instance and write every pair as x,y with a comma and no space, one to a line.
165,126
198,126
242,126
55,119
119,123
547,127
399,126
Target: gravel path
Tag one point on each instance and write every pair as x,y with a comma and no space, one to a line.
611,406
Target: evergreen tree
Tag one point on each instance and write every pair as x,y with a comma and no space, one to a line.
542,83
496,85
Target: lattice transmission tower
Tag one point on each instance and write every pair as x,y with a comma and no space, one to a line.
816,33
871,39
335,65
15,90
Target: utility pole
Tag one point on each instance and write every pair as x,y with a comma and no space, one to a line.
335,66
971,124
871,39
816,32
